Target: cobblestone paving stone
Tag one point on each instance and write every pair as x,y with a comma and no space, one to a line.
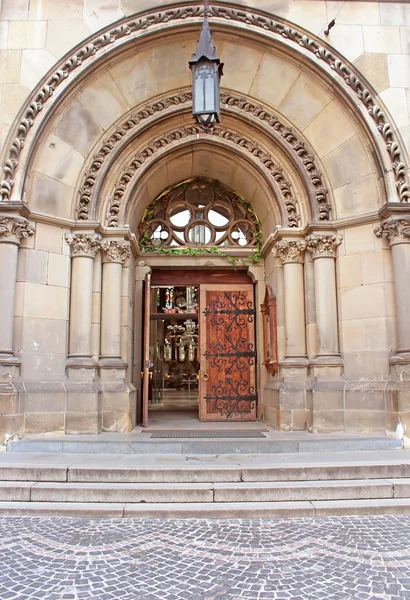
358,558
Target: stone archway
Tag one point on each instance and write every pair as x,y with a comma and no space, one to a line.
321,176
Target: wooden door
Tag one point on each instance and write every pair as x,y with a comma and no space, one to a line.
227,389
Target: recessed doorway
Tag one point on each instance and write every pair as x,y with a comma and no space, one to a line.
199,346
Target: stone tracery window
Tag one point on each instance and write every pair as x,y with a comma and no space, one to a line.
199,213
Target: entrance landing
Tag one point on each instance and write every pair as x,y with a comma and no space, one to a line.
140,441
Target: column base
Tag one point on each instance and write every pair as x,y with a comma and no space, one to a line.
9,366
112,362
400,364
327,368
81,362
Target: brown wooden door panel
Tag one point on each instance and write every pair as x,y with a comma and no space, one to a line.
227,389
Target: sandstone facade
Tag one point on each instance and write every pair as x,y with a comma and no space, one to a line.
95,122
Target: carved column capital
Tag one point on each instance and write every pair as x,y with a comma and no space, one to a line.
323,245
290,250
14,229
116,251
397,231
84,244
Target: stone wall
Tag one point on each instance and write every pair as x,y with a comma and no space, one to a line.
348,149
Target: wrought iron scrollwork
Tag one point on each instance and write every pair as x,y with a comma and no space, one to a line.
230,310
231,398
228,354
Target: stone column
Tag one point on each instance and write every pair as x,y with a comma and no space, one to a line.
12,230
322,247
290,252
115,253
84,247
397,231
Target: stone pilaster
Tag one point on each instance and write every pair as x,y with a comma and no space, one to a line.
12,230
397,231
322,247
292,385
82,406
291,253
117,397
84,247
114,255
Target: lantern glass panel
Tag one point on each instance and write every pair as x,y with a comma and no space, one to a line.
204,89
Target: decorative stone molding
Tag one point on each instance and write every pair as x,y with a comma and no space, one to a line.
290,251
114,207
133,26
115,251
113,139
84,244
302,154
323,245
14,229
397,231
298,147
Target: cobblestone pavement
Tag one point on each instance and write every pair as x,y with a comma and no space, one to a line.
132,559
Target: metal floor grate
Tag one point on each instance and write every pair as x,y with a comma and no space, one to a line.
206,434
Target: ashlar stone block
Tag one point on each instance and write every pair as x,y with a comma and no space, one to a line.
49,10
374,68
59,160
381,39
63,37
10,61
315,99
27,35
78,128
103,100
273,80
331,128
14,10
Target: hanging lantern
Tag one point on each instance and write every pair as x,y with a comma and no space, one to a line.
206,75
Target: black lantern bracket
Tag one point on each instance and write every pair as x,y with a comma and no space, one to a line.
206,71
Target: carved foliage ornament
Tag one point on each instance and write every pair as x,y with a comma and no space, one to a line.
245,17
193,130
116,251
14,229
302,154
322,245
290,251
397,231
84,244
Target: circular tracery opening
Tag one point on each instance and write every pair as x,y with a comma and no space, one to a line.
199,213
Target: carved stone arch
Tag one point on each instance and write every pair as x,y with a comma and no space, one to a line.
139,191
351,86
128,127
113,210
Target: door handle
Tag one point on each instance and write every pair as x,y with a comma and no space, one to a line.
205,376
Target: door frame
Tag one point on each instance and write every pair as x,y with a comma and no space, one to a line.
174,277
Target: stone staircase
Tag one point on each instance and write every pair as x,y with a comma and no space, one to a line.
206,485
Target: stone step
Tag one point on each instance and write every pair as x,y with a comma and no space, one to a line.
292,491
209,510
275,442
204,469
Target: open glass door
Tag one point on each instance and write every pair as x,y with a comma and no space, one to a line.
227,389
